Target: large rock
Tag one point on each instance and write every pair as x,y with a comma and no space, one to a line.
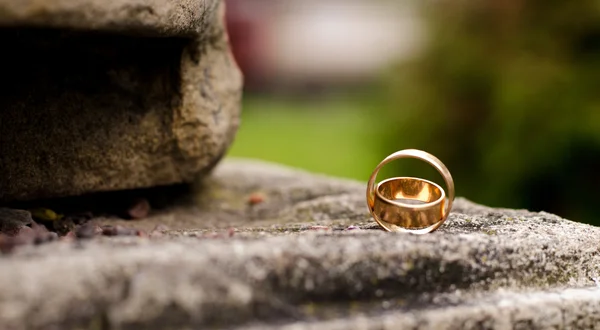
306,254
108,95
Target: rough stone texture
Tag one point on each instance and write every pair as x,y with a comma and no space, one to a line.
12,220
114,95
148,17
309,257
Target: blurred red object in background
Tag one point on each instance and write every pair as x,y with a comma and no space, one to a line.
247,25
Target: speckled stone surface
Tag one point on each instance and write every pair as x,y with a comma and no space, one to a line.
113,95
143,17
309,257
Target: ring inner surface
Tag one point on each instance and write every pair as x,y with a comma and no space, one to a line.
412,191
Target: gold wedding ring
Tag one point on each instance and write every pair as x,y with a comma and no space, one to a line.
413,205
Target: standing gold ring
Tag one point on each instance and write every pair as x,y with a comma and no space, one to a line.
405,204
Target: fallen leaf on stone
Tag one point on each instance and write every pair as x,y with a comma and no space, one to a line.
139,209
45,214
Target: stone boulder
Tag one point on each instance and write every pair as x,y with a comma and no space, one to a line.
111,95
268,247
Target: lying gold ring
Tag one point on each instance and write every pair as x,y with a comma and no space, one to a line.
411,205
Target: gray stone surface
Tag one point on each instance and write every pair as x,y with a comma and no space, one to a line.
11,220
146,17
309,256
112,95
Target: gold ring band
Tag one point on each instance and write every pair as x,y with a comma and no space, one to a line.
412,205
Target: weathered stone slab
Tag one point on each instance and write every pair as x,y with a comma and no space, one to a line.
148,17
308,256
112,95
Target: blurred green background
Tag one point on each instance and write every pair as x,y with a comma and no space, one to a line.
504,93
332,136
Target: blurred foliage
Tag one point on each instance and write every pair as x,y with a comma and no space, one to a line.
331,135
506,94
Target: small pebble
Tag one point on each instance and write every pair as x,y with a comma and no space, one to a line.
26,231
140,209
69,236
161,227
87,230
256,198
40,235
45,237
353,228
158,231
35,235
